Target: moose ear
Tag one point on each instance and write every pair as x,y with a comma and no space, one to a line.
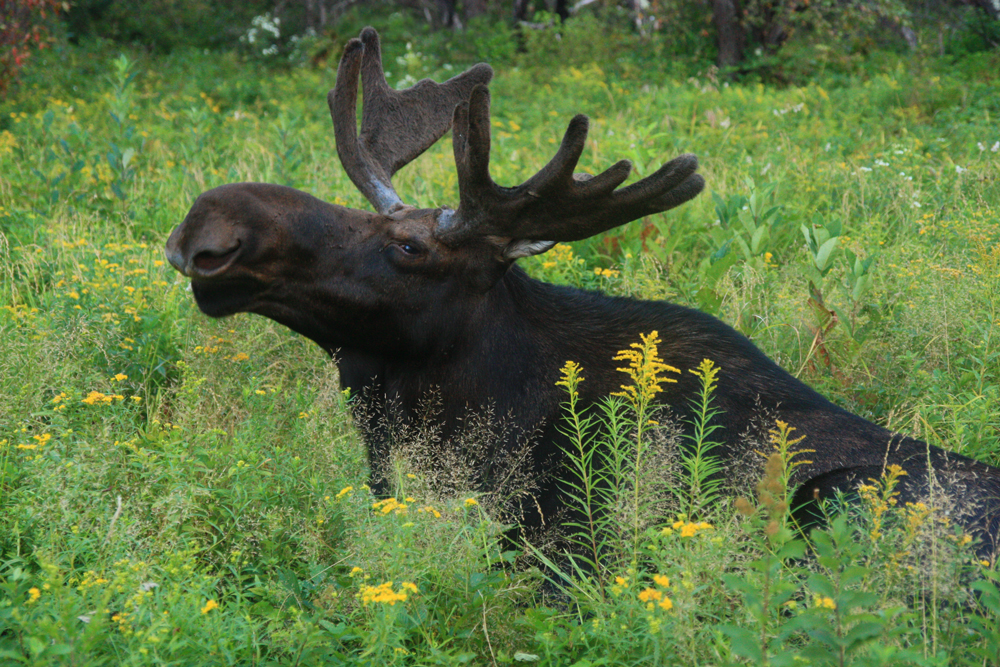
526,248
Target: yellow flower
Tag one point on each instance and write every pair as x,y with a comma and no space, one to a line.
410,587
209,606
344,491
650,595
383,593
33,595
430,510
389,505
666,604
645,368
120,376
824,602
355,571
471,502
661,580
95,397
689,528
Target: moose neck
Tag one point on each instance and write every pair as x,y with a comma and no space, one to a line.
499,331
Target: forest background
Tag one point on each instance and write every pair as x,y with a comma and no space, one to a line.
178,490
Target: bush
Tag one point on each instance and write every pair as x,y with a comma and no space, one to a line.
23,28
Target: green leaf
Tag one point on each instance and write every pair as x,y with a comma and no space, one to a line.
759,241
743,643
862,632
823,255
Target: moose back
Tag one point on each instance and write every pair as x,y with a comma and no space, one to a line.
413,302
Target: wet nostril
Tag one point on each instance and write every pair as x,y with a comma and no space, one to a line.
213,260
175,258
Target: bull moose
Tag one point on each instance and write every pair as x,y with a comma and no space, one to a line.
416,301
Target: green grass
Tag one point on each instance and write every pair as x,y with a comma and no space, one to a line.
217,513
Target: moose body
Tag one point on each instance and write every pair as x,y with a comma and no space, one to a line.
420,302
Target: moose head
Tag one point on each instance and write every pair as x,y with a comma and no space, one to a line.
377,281
413,301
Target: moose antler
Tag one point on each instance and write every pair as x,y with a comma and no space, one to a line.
555,204
396,126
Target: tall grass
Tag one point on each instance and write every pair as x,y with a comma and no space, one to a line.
177,489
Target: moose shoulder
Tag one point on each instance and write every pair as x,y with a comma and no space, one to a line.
419,301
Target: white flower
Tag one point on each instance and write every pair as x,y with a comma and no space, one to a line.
981,146
880,163
866,168
995,147
960,170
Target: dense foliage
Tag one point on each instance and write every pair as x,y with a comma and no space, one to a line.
180,490
23,30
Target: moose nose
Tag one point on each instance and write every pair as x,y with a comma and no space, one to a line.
173,251
175,258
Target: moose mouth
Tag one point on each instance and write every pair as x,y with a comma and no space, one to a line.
219,298
208,263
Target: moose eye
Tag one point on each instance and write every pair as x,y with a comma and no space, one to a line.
408,249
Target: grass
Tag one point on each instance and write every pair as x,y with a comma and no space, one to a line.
180,490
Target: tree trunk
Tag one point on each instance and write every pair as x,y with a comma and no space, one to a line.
729,32
474,8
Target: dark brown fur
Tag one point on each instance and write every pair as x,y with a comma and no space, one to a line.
418,302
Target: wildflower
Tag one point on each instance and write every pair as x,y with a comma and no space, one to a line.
430,510
410,587
383,593
571,377
344,491
666,604
690,528
661,580
120,376
650,595
645,368
824,602
389,505
471,502
33,595
209,606
95,397
356,571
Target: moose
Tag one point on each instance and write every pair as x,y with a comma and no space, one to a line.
413,301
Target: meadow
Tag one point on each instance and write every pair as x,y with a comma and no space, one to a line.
180,490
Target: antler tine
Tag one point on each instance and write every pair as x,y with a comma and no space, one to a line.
555,204
396,126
